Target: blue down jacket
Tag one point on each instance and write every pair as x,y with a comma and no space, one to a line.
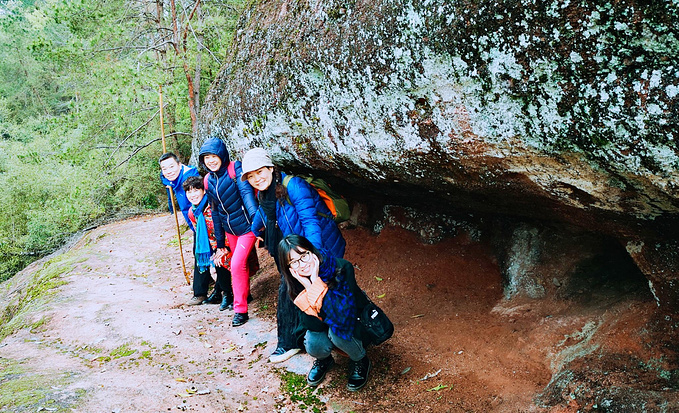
179,193
232,200
301,216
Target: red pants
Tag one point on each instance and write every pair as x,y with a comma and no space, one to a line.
241,247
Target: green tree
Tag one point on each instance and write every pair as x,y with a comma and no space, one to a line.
79,126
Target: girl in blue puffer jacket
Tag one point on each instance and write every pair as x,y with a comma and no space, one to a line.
295,208
233,206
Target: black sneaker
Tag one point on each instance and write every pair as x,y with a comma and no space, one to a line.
358,373
227,304
239,319
214,298
318,370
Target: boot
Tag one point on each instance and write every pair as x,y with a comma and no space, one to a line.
224,283
358,373
215,297
227,303
239,319
318,370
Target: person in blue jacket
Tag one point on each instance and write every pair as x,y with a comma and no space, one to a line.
295,208
173,174
233,206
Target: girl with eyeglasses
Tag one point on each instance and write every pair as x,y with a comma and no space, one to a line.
287,208
324,288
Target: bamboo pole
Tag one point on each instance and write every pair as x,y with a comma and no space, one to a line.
162,121
174,209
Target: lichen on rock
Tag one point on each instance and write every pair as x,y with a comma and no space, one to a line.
559,110
369,86
539,111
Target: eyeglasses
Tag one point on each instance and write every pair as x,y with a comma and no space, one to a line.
304,258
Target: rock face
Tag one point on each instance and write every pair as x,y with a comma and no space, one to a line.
554,112
550,126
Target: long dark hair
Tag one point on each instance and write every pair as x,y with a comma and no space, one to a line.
281,190
299,244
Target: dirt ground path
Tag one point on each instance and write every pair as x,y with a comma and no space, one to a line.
117,337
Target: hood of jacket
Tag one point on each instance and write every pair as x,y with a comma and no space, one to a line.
214,146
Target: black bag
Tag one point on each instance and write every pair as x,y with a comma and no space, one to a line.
376,323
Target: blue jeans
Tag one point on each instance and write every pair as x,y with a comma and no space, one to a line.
319,344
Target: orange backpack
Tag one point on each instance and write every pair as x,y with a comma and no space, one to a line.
338,206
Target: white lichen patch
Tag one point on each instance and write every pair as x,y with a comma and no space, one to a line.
575,345
438,81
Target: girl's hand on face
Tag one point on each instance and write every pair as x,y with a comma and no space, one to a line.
315,266
305,281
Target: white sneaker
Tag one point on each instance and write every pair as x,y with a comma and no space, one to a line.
280,354
197,300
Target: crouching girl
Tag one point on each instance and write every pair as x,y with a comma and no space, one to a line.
325,289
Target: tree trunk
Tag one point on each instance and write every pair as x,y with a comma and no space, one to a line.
161,51
180,49
199,58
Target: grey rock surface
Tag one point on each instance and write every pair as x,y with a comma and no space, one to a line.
549,111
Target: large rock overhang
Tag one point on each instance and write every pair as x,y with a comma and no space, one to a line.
557,111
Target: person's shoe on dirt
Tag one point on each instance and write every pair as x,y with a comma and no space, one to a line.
197,300
227,303
214,298
239,319
280,354
318,370
358,373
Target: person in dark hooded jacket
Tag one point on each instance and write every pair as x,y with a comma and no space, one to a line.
233,206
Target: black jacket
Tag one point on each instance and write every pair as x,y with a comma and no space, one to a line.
232,200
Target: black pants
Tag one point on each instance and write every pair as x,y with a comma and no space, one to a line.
287,316
202,280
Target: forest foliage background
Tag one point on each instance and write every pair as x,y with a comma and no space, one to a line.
79,109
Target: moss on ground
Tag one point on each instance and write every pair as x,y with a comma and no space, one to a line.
295,387
29,392
15,310
122,351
